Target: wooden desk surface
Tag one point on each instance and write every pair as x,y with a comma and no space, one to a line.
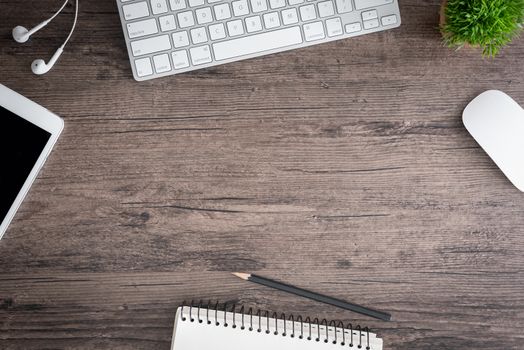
346,164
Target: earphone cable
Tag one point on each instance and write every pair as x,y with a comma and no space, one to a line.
57,12
74,23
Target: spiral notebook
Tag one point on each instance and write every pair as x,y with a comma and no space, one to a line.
203,328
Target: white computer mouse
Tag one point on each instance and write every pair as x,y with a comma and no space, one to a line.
496,122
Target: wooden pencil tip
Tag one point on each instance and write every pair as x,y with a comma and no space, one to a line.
244,276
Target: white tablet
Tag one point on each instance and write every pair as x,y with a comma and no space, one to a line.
28,132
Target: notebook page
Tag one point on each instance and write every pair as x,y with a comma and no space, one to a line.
203,336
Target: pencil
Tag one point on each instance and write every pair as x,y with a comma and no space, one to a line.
314,296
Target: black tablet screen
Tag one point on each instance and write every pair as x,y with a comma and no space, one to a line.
21,143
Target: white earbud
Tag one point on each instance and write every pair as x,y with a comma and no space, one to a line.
39,66
21,34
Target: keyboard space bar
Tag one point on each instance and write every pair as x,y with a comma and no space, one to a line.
257,43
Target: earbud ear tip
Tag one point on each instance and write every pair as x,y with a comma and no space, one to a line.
39,67
20,34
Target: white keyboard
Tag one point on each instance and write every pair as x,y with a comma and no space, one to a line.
166,37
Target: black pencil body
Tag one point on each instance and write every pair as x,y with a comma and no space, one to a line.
321,298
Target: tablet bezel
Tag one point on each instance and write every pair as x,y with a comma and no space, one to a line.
44,119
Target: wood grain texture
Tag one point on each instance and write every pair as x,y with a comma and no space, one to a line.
345,164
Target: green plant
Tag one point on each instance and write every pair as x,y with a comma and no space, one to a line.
488,24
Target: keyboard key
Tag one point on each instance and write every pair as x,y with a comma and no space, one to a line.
389,20
289,16
180,39
142,28
367,15
162,63
150,45
198,35
344,6
186,19
213,1
195,3
167,23
334,27
204,15
136,10
222,11
295,2
217,31
271,20
177,4
364,4
235,28
372,23
314,31
200,55
240,8
326,9
180,59
259,5
253,24
276,4
158,6
353,27
307,12
257,43
143,67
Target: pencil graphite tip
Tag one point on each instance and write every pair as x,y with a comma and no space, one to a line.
242,275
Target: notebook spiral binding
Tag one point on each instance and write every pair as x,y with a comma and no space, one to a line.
261,321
